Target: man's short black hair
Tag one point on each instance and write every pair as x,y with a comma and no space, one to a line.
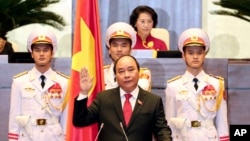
137,64
143,9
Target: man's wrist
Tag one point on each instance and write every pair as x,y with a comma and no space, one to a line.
83,93
82,96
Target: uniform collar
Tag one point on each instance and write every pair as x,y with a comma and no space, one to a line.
188,77
35,74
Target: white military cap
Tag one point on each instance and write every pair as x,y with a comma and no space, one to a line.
193,37
42,36
121,30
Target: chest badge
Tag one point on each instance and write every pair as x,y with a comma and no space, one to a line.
55,91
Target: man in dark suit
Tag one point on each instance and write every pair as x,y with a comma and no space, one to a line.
108,108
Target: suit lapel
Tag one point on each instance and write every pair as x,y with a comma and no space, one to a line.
116,100
188,84
204,82
34,81
138,105
50,80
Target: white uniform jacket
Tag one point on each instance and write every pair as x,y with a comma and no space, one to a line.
197,115
110,82
36,113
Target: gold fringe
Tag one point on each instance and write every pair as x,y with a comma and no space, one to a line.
66,99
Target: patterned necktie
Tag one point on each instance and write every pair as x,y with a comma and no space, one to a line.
127,108
195,83
42,78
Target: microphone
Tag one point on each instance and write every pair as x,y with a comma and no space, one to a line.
101,126
123,131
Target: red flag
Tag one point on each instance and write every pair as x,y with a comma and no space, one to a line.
87,51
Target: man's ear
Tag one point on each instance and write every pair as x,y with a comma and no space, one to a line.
52,54
183,56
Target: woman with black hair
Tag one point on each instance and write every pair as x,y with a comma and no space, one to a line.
143,19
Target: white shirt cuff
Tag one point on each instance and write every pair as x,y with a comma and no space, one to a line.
81,96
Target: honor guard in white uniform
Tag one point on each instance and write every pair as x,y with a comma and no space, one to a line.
38,107
195,106
120,39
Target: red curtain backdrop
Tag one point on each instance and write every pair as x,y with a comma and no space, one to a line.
87,52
